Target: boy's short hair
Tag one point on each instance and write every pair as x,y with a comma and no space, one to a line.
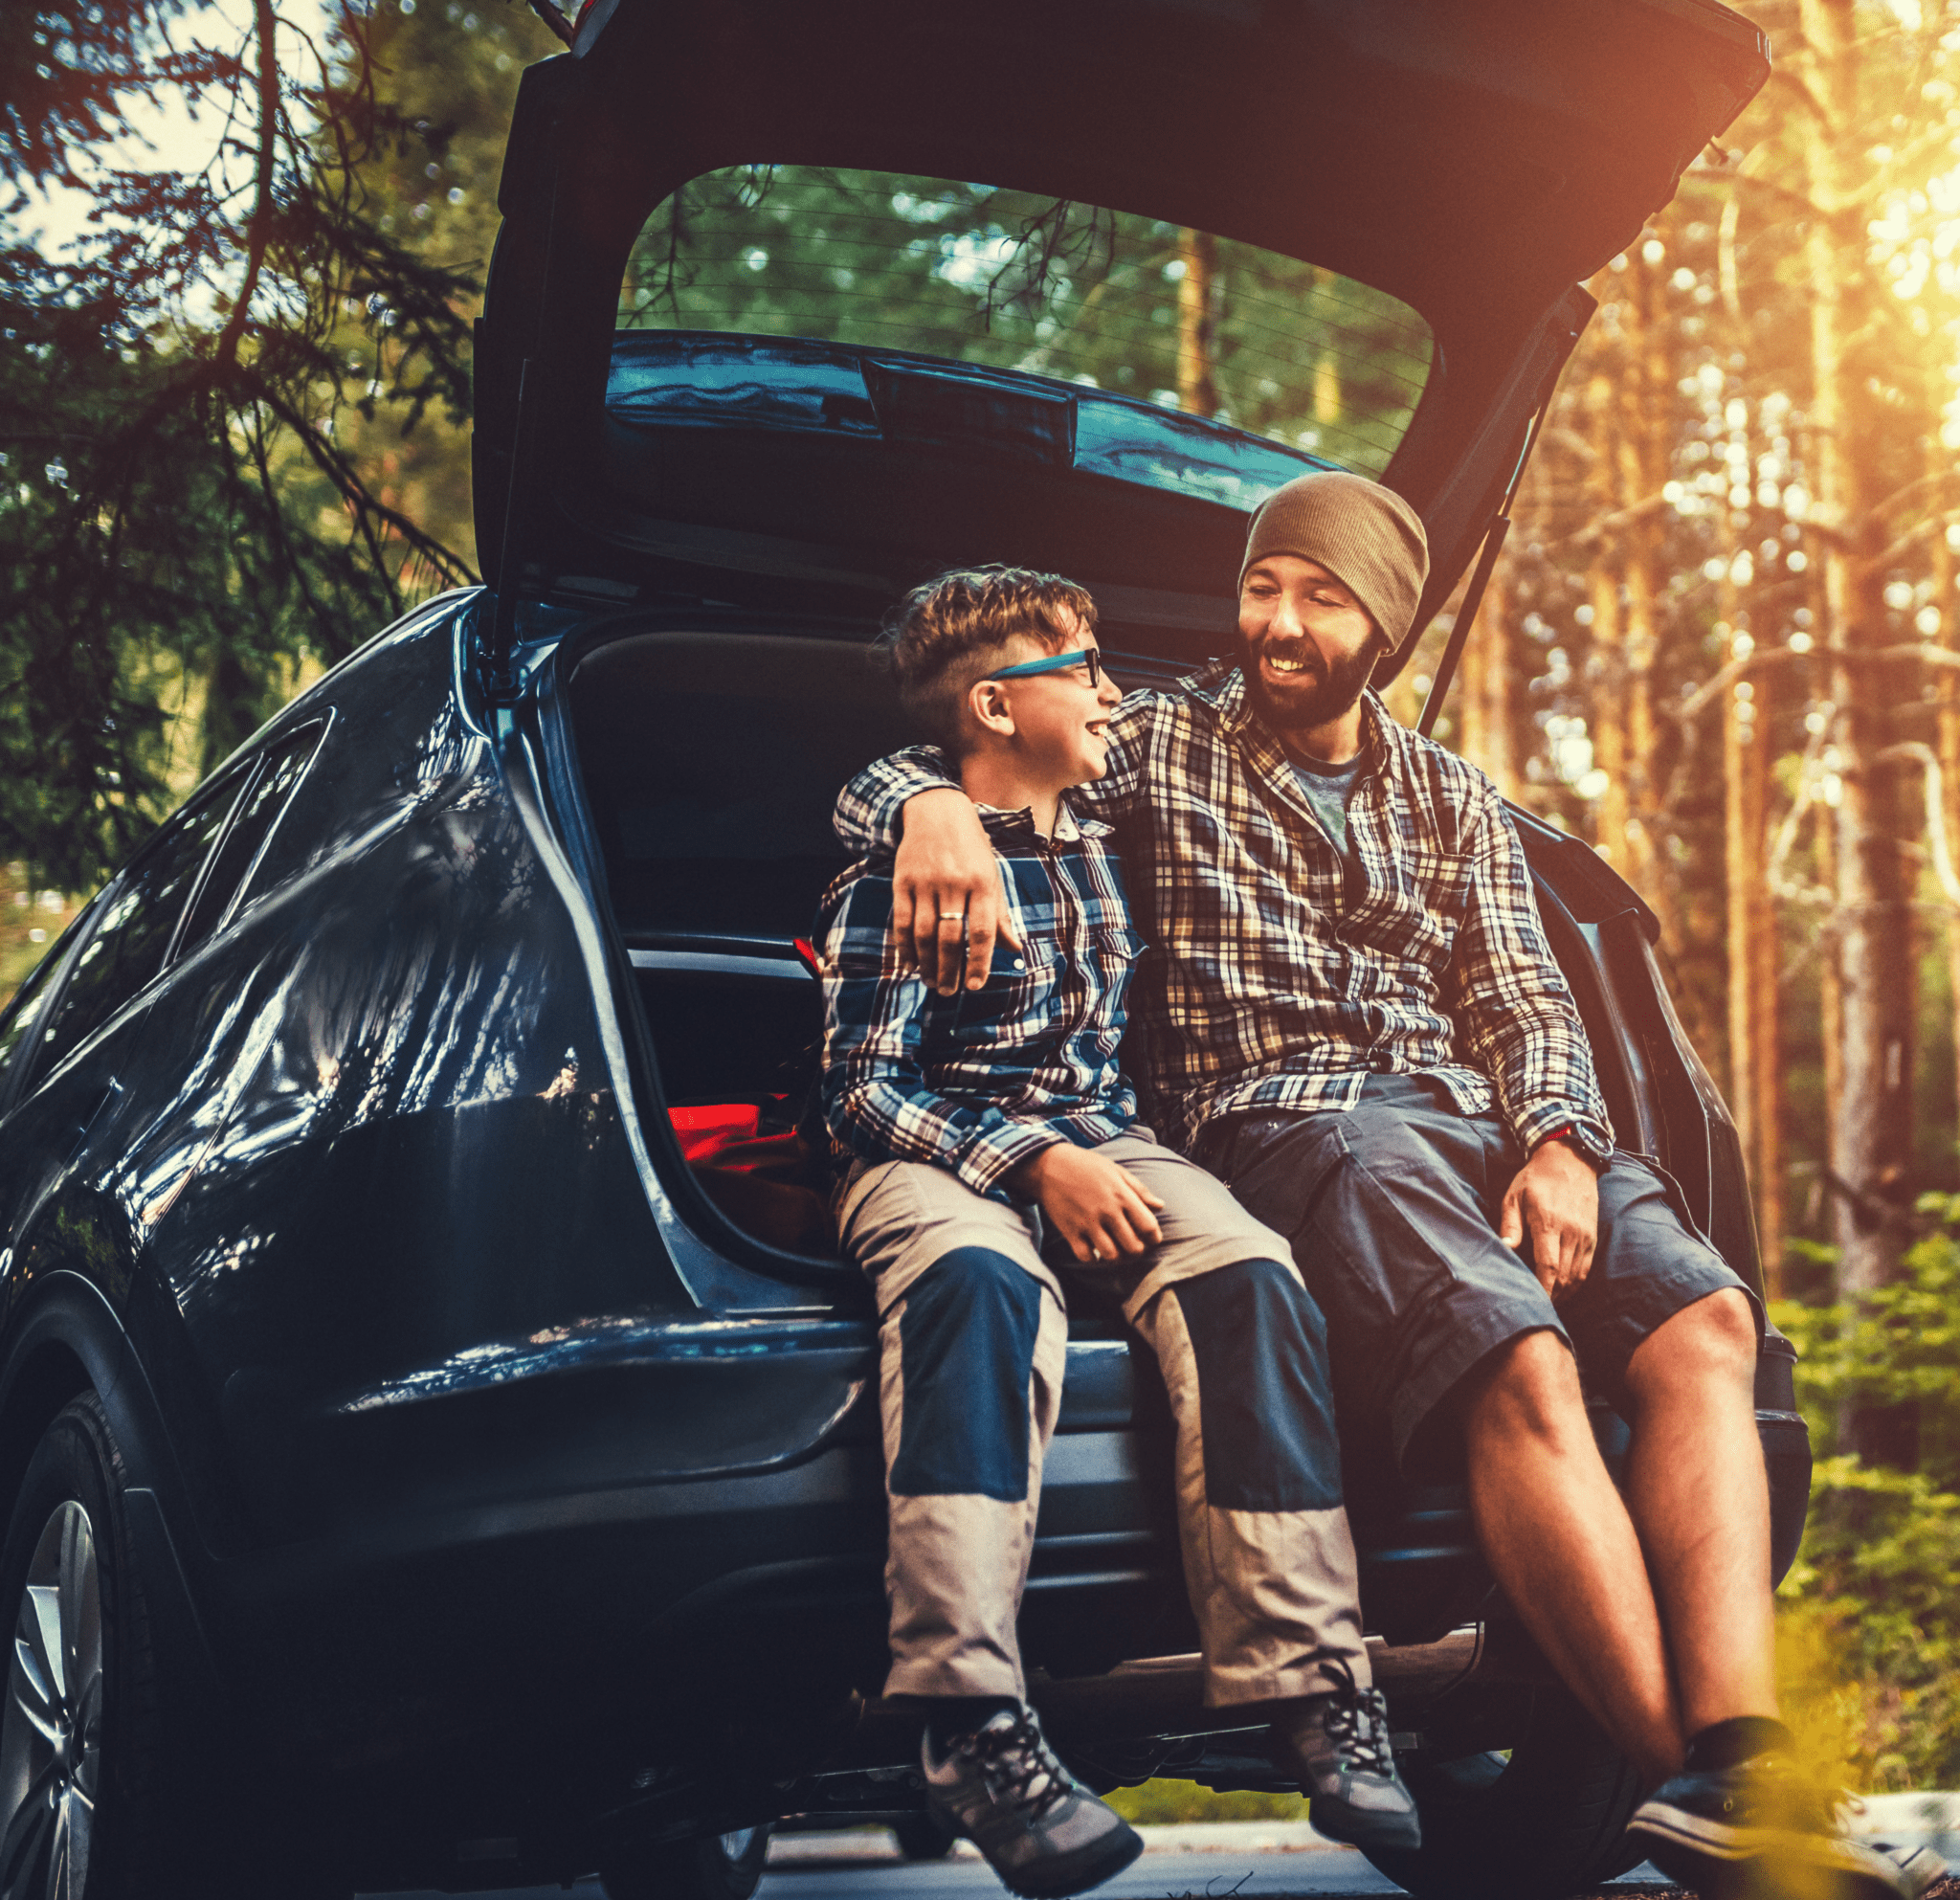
943,636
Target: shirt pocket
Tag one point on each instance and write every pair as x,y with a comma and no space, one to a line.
1017,1004
1115,945
1433,893
1114,950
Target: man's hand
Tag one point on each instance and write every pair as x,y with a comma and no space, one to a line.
1091,1202
948,903
1556,1196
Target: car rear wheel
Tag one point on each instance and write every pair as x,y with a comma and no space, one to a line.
715,1866
1549,1822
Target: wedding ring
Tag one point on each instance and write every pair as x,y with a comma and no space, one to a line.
958,916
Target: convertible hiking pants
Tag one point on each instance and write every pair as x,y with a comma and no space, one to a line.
973,1342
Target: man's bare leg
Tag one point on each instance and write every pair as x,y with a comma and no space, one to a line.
1700,1499
1561,1544
1741,1816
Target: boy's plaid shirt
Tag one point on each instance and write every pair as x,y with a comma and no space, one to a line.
979,1082
1285,975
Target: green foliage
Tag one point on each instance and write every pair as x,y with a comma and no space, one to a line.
1871,1613
184,494
1899,1345
1014,280
1166,1803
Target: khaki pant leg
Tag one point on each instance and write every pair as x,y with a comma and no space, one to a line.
1268,1555
961,1513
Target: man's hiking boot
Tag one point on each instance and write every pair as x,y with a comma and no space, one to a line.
1042,1831
1336,1745
1762,1830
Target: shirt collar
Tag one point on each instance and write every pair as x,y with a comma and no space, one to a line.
1070,825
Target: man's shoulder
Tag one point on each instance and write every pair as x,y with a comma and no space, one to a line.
1438,777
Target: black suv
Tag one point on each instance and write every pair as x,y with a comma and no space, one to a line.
423,1359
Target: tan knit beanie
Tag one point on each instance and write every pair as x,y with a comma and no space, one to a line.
1364,534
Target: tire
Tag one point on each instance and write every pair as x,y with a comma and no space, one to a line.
714,1866
80,1788
1549,1822
924,1836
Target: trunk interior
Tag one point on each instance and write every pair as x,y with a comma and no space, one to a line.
711,761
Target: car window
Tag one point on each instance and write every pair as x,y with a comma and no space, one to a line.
136,920
30,1002
1124,309
260,810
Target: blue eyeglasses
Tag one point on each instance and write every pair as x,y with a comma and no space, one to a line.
1086,656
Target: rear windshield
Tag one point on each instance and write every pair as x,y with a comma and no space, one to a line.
1105,299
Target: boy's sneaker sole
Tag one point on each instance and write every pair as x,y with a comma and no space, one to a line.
1044,1835
1363,1828
1722,1861
1077,1872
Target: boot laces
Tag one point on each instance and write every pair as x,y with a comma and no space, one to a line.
1012,1760
1356,1720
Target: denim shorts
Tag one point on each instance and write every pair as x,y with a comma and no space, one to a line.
1392,1209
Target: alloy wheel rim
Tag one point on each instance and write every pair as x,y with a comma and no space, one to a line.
51,1724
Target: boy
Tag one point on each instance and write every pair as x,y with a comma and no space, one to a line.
970,1125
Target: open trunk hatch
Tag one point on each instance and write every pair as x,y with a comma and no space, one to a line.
1473,163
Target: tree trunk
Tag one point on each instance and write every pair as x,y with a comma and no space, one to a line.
1755,1063
1873,1134
1767,1004
1830,995
1483,691
1741,832
1645,390
1604,424
1197,324
1941,574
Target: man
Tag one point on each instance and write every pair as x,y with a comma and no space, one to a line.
1356,1020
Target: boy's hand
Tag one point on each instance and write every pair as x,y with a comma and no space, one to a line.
1093,1204
1556,1195
947,904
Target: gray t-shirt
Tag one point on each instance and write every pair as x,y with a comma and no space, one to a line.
1328,788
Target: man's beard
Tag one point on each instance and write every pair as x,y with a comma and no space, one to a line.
1338,688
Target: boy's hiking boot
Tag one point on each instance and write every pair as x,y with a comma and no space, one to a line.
1042,1831
1763,1830
1336,1745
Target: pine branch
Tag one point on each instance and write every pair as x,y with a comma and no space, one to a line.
1601,527
1903,545
258,229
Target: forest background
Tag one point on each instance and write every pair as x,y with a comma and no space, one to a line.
1723,643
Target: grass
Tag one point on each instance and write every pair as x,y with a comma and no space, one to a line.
1168,1803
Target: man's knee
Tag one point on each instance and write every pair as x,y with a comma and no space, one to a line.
967,1354
1709,1344
1529,1387
1260,1348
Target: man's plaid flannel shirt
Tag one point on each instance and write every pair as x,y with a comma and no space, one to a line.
1285,973
979,1082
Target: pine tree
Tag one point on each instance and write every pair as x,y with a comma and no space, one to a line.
192,502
